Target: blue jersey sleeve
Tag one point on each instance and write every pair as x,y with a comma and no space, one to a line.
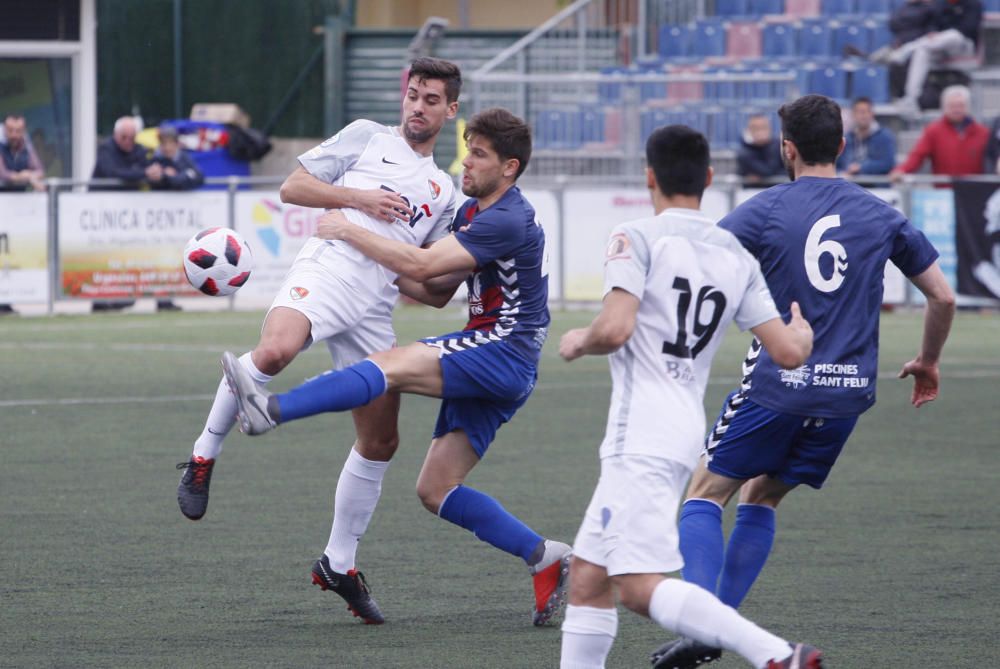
912,252
491,234
748,221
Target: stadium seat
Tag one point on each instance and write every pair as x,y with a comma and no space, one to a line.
610,91
778,39
855,34
829,81
592,125
802,8
879,34
838,7
684,91
674,41
991,6
558,129
731,7
815,38
743,40
708,38
868,7
760,7
871,81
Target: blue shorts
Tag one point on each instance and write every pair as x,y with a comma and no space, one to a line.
749,440
484,386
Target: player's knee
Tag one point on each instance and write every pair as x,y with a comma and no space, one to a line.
271,358
633,596
380,447
430,495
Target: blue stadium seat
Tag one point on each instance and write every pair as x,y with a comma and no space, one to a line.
611,91
779,40
592,124
815,38
708,38
837,7
767,7
650,90
868,7
558,129
732,7
855,34
724,127
991,5
829,81
879,33
871,81
675,41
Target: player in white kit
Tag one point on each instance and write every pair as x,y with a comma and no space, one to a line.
385,180
673,284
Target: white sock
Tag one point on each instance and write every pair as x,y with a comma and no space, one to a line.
693,612
587,635
358,490
222,415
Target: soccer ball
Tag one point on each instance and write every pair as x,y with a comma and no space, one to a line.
217,261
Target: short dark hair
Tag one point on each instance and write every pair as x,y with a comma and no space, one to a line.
443,70
509,135
862,100
814,125
679,157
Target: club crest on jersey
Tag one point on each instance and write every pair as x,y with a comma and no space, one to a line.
435,189
618,247
298,293
476,295
797,378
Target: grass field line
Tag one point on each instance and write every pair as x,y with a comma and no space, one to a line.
201,397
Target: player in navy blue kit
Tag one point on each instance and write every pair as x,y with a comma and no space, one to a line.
822,242
483,373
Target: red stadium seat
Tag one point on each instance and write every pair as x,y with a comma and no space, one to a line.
743,40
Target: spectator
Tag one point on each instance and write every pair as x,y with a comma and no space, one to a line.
20,168
992,163
955,143
179,171
954,33
119,158
759,155
869,148
910,21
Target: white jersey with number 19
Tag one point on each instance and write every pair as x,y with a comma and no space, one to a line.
692,279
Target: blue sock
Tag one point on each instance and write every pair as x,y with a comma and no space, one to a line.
489,521
700,529
337,390
749,546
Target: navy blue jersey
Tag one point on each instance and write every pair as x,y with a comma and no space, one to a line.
509,289
824,243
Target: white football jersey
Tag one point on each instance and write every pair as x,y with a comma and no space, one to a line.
369,155
692,279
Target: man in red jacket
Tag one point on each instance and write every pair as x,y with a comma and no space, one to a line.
955,143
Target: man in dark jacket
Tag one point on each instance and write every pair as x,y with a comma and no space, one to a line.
759,155
869,148
992,162
179,171
954,33
119,158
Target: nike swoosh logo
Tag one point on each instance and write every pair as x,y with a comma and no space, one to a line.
253,399
218,434
388,162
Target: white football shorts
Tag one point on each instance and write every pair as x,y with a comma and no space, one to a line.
630,526
346,298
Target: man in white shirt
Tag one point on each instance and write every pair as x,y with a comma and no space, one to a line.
673,283
383,179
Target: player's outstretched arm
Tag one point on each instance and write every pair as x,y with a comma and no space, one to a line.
788,345
938,316
305,190
608,332
443,257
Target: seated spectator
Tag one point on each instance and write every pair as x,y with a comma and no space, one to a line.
20,168
955,143
869,148
179,173
759,155
992,163
954,33
119,157
179,170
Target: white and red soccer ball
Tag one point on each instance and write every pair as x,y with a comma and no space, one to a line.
218,261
